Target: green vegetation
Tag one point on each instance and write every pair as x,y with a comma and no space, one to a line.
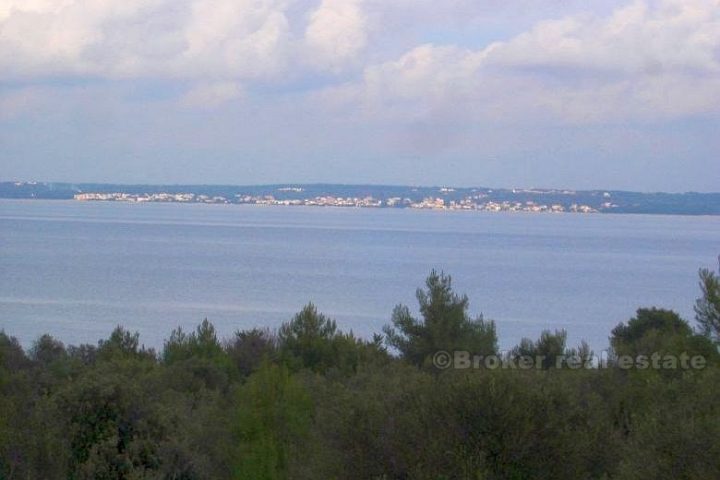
312,402
707,308
446,325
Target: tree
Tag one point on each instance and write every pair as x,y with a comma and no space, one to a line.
274,414
445,325
659,331
203,343
550,351
311,340
12,356
110,421
200,355
645,321
123,344
707,307
249,348
307,339
46,350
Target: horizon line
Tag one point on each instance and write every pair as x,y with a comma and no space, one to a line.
343,184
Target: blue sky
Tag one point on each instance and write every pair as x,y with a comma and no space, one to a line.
615,94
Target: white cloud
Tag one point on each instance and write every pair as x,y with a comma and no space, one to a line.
141,38
336,33
639,38
240,38
215,39
645,61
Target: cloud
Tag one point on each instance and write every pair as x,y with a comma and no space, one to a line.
238,38
644,61
640,38
211,39
143,38
336,33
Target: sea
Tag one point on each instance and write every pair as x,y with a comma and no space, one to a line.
75,269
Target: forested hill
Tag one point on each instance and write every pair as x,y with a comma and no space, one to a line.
478,198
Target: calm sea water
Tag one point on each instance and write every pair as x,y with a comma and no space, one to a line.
76,270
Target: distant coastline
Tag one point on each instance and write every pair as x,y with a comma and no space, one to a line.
532,200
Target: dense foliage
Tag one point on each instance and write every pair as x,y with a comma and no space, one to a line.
312,402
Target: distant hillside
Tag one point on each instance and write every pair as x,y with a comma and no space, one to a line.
388,196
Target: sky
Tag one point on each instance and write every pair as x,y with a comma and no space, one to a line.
523,93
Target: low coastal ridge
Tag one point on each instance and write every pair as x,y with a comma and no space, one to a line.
532,200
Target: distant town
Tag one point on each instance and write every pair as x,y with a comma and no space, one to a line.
471,202
532,200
